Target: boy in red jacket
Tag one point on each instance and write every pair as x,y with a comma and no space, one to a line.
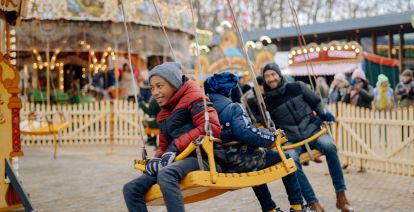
181,121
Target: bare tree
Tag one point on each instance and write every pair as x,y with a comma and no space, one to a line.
276,13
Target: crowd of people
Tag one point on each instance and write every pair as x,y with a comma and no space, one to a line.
358,91
247,145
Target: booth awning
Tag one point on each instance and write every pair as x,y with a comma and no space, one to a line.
331,68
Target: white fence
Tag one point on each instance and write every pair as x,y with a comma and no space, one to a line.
375,140
366,139
104,122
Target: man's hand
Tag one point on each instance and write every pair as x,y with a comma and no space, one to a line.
401,90
359,86
327,116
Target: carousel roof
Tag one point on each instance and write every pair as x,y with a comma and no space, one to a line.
175,14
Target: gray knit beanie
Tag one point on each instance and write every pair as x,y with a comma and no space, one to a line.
170,71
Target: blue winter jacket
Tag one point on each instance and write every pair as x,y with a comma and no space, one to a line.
237,126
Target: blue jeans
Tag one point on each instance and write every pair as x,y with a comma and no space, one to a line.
325,145
168,179
290,182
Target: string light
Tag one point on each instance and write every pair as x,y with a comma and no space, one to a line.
40,64
265,38
52,65
96,64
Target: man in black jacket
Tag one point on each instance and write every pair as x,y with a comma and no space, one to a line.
291,106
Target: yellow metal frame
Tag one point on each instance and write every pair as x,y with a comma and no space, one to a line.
305,157
12,207
152,131
201,185
310,139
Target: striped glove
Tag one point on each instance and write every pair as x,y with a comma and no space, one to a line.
167,158
152,166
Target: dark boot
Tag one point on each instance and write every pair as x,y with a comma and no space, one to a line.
342,203
276,210
316,207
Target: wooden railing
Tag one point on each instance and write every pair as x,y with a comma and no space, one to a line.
366,139
375,140
102,122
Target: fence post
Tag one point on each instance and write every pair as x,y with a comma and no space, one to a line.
112,107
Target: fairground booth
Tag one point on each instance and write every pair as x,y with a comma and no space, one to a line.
386,44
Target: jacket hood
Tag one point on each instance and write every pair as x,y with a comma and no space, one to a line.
219,101
187,94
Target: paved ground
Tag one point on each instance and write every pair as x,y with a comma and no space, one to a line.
90,179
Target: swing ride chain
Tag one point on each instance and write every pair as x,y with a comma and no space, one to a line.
122,8
198,142
207,126
263,109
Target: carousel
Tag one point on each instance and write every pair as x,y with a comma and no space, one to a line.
64,45
228,56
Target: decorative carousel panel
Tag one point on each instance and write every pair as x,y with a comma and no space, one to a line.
175,13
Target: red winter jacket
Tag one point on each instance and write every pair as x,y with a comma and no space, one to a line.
181,120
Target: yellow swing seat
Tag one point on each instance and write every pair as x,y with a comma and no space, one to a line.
33,127
37,128
45,128
201,185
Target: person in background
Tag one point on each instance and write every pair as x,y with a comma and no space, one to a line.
360,93
151,111
253,103
338,88
236,94
404,91
384,94
145,91
322,88
127,85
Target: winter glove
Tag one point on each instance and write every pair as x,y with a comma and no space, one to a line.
153,166
142,104
327,116
167,158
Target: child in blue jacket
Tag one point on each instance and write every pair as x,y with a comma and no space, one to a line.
247,154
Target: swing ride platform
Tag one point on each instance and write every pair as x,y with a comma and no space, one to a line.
99,177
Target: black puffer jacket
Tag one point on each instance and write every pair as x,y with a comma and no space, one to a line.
291,107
